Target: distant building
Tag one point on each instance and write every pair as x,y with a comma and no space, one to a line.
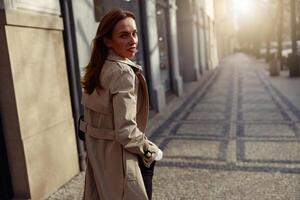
225,32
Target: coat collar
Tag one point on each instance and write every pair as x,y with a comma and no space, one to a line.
114,57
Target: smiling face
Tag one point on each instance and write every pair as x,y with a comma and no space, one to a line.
124,38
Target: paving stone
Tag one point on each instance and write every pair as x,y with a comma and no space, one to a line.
219,87
206,116
210,107
262,116
254,91
222,81
257,97
192,148
217,93
220,99
274,151
252,106
201,129
250,85
231,151
271,130
214,101
298,125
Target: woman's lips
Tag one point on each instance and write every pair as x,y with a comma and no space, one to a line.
132,49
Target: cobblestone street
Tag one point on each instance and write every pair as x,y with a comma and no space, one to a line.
236,138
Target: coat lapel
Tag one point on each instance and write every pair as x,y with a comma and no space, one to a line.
113,57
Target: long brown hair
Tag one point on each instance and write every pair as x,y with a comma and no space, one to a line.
91,79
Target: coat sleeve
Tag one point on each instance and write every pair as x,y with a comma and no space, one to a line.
125,110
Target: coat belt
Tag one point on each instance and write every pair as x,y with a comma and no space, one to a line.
102,134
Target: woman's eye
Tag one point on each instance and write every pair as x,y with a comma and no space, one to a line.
125,36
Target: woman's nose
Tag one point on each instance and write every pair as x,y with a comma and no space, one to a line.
133,39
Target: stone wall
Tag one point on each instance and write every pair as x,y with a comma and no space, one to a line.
34,98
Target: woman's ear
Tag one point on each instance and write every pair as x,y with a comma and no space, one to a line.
107,41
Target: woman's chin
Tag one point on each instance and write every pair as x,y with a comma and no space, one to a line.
132,55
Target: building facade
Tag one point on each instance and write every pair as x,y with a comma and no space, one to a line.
225,31
45,46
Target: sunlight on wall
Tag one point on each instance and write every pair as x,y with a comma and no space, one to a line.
209,8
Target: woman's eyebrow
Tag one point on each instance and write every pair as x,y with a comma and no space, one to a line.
127,32
122,32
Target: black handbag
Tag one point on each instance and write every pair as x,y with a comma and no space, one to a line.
81,134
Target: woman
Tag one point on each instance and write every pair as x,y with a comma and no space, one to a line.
116,107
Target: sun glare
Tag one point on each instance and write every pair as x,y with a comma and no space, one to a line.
241,10
242,7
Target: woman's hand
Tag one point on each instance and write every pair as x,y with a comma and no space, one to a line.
153,153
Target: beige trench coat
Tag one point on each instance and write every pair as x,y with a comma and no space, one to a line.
115,118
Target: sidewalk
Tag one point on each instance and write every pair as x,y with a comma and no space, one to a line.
234,135
288,87
237,139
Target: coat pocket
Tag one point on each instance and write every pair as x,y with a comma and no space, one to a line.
131,165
